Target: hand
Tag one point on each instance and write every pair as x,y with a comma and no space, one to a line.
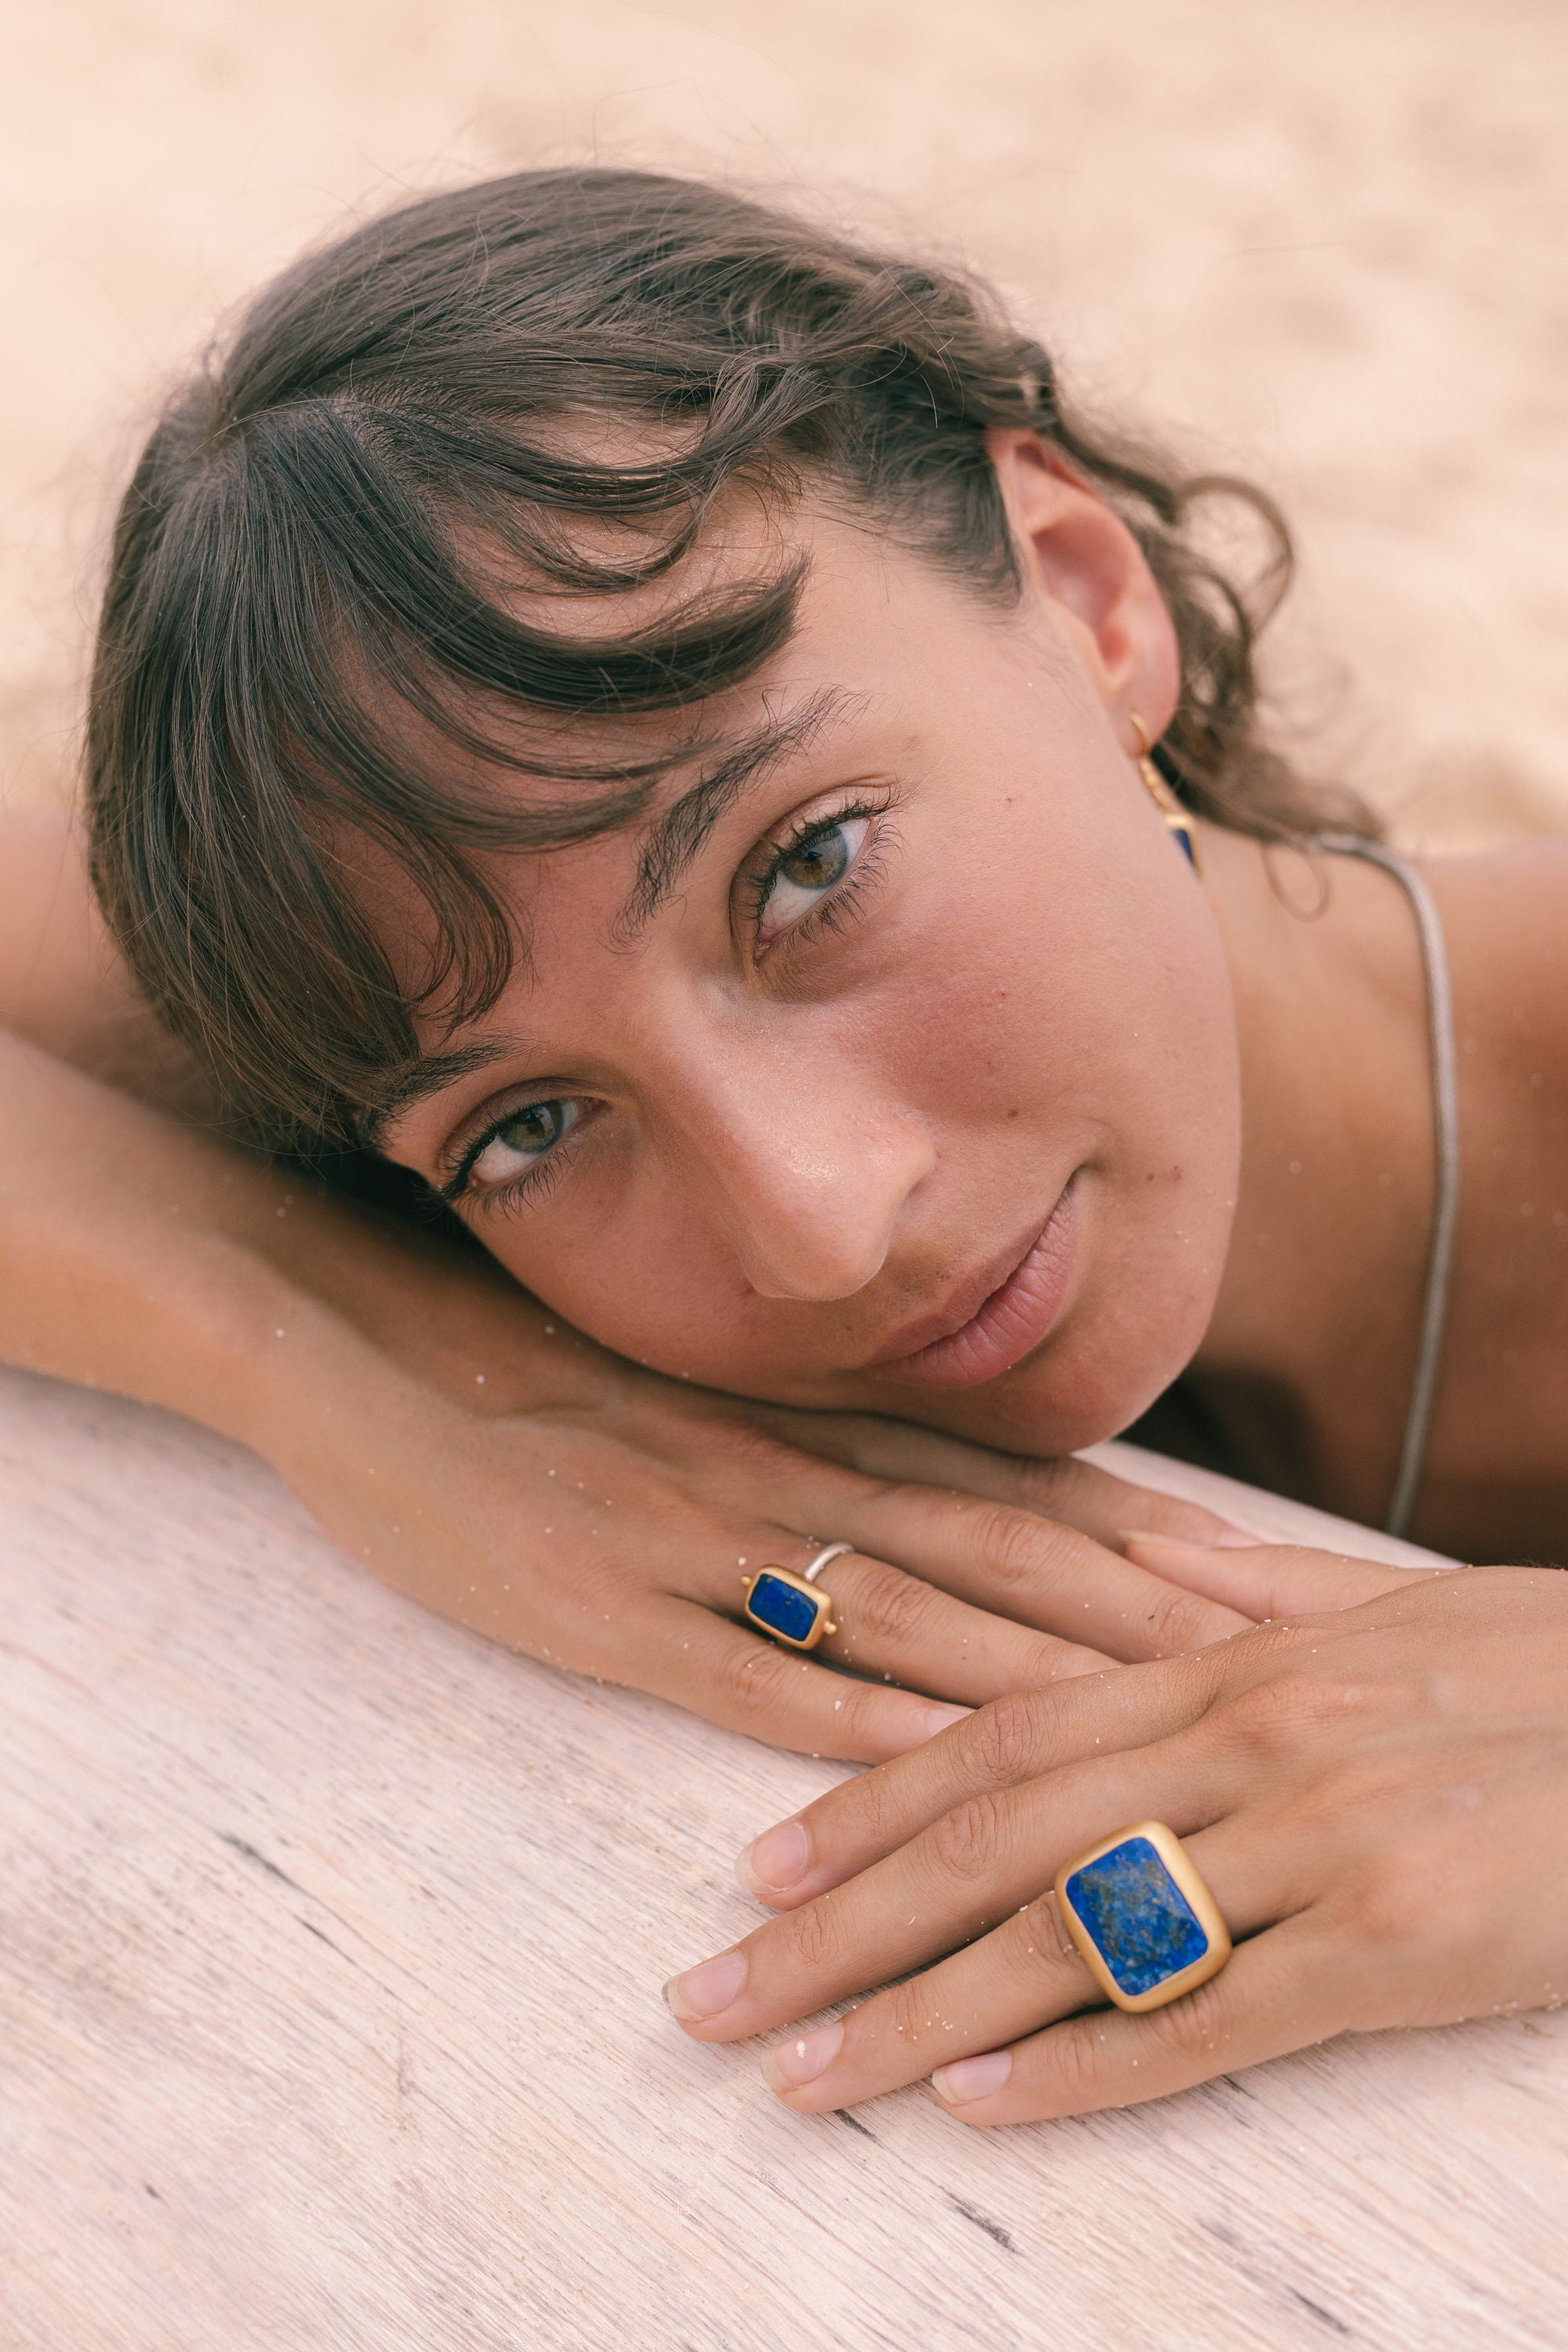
502,1469
1376,1793
605,1520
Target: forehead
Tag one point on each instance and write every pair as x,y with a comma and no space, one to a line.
862,644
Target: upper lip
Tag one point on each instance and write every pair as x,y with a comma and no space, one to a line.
964,1301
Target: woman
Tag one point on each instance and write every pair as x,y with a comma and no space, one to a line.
653,722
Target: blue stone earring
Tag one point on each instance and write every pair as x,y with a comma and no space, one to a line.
1175,815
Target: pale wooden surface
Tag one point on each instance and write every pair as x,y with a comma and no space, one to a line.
330,1946
1318,240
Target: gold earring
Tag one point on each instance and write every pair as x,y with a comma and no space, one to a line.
1176,816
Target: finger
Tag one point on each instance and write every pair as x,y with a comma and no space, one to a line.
746,1683
1025,1974
1013,1741
1271,1579
1036,1571
1276,1994
893,1623
960,1877
1077,1492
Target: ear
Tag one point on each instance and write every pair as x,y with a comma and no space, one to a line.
1082,558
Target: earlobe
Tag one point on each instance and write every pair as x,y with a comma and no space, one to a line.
1077,554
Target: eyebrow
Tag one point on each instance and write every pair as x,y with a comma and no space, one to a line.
431,1074
668,848
672,842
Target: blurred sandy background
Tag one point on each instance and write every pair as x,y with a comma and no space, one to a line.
1321,240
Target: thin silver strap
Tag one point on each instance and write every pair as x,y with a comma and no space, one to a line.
829,1551
1446,1192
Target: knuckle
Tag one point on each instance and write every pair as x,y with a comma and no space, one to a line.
767,1464
881,1815
1075,2055
1001,1741
754,1680
1392,1904
1276,1714
964,1839
1012,1544
891,1606
911,2016
1177,1622
1193,2028
1052,1480
816,1934
864,1720
1039,1941
1330,1809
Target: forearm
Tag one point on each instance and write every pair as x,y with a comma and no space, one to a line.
140,1255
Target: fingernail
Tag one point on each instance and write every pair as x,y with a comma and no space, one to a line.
708,1991
794,2063
971,2078
941,1718
1234,1540
775,1860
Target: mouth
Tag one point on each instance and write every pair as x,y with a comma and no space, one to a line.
969,1344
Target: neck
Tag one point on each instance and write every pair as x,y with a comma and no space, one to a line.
1308,1362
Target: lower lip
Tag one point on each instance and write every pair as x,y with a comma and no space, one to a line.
1013,1321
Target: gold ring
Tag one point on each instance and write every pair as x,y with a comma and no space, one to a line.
1147,1927
794,1608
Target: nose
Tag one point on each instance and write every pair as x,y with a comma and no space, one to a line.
801,1162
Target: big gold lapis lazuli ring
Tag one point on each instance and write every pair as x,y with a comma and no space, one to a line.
794,1608
1137,1907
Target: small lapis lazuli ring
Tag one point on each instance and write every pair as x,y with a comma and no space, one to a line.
794,1608
1138,1910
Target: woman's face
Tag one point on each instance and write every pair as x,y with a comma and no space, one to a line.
891,1063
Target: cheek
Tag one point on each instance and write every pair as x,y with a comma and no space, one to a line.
1092,1022
1078,980
634,1269
1164,1089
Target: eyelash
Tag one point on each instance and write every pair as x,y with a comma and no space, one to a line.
531,1185
839,905
837,909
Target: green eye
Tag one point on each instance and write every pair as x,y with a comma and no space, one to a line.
807,872
521,1141
535,1128
817,864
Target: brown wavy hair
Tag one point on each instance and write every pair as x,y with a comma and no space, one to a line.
303,638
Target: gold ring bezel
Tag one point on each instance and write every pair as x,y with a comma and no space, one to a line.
1189,1880
822,1623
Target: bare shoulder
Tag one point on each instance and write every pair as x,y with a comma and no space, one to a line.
55,961
1505,914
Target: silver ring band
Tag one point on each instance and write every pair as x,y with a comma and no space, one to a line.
829,1551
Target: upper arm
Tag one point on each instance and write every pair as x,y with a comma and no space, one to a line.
64,986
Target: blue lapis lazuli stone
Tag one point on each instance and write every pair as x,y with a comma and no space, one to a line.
1145,1928
778,1607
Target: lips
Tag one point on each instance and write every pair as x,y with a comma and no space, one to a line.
1010,1321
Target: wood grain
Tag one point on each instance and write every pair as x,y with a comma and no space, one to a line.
330,1948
